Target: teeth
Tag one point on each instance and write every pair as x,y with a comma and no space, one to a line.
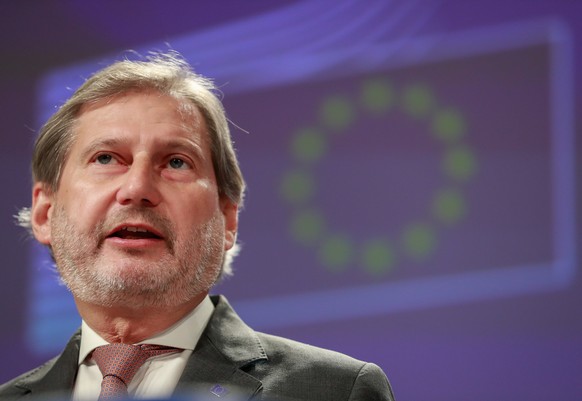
135,229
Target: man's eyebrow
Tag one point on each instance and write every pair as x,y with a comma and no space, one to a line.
101,144
187,146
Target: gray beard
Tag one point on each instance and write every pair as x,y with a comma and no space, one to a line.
188,269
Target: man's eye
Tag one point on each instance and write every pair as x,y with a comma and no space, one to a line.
104,159
177,163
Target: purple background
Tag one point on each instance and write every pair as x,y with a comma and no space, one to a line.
492,312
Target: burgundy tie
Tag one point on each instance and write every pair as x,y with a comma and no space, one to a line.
120,362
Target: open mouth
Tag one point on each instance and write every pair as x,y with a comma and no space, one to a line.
129,232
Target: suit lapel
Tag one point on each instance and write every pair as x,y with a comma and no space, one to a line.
56,376
217,364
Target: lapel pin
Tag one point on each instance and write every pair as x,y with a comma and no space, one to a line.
218,390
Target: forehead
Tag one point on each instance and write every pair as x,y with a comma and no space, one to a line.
133,106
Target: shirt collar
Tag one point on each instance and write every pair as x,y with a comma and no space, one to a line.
184,334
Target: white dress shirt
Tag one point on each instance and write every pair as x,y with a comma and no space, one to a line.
158,376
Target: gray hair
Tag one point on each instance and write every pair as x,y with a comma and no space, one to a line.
167,73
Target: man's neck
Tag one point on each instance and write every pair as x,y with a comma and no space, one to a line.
132,325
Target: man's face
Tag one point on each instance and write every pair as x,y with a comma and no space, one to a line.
137,219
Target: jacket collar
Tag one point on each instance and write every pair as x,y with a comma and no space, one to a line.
227,348
57,376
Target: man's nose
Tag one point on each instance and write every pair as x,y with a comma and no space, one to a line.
139,185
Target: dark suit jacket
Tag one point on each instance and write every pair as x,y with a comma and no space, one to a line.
235,362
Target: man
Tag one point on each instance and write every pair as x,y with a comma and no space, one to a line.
136,193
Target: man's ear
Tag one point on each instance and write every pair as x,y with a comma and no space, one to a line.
41,212
230,213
